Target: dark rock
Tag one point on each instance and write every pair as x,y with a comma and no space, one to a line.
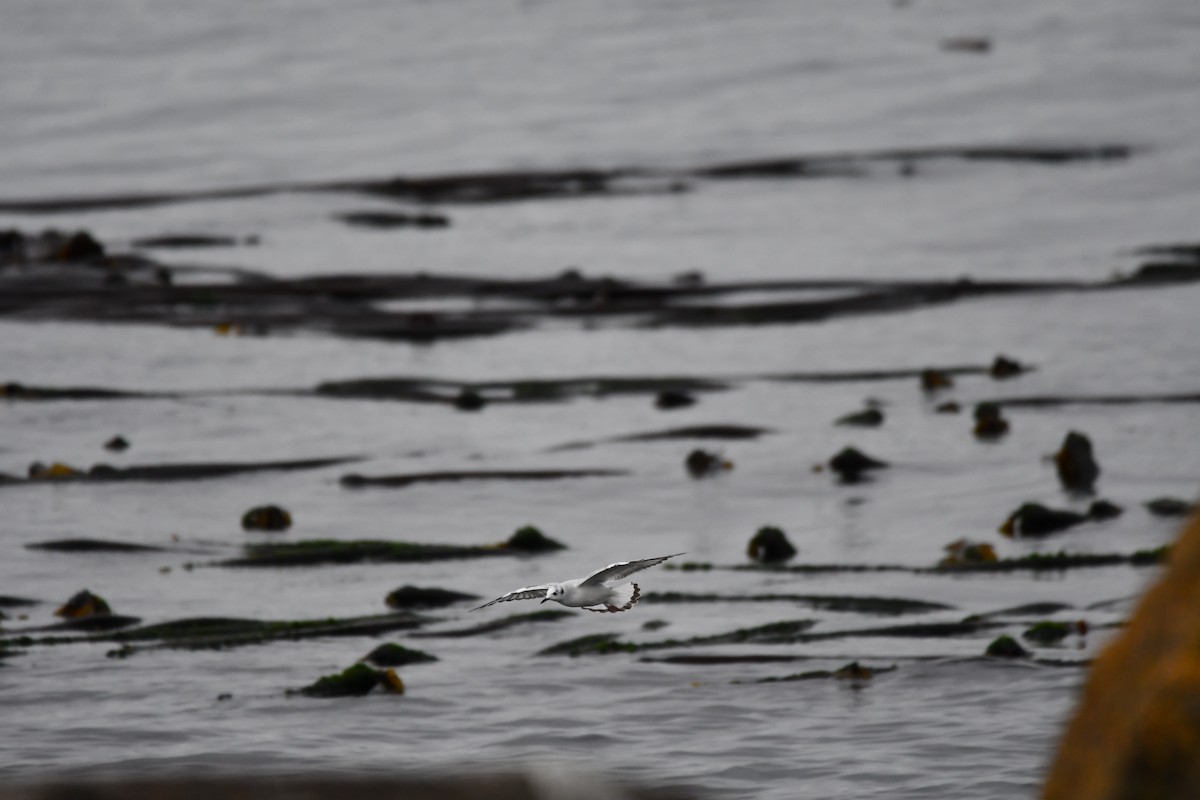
868,418
82,545
1047,632
1006,647
266,518
394,655
1033,519
770,545
989,424
1077,468
1102,510
83,604
531,540
1169,507
418,597
850,464
117,444
933,380
948,407
669,399
385,219
469,400
80,247
12,245
1004,367
700,463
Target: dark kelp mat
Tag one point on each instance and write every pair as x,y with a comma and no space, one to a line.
878,606
104,473
491,187
199,633
548,615
721,431
400,481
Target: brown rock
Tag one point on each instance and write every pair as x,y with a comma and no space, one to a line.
1136,732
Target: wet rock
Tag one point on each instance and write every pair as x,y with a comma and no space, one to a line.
394,655
933,380
531,540
948,407
83,604
81,246
967,44
469,400
407,597
868,418
8,601
1102,509
1006,647
117,444
701,463
356,681
1004,367
669,399
850,464
1136,730
1169,507
1034,519
1077,468
770,546
1047,632
964,551
989,423
266,518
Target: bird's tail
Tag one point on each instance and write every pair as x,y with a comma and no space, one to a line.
625,598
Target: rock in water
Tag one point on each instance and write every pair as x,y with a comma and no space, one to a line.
989,424
770,546
1034,519
1006,647
850,464
700,463
1077,468
83,604
670,399
868,418
266,518
1136,731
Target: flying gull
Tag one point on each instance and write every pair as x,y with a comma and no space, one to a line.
606,588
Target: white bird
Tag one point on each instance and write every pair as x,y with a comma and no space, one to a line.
605,587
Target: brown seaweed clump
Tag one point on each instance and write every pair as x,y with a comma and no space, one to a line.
963,551
1004,367
850,464
770,546
1077,467
356,681
989,423
933,380
266,518
83,604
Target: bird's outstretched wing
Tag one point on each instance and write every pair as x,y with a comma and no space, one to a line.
528,593
622,569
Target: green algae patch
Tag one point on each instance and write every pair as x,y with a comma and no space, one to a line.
395,655
529,539
355,681
1047,632
547,615
312,552
880,606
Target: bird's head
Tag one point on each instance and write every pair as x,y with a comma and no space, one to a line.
555,592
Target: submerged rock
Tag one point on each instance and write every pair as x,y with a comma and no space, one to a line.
850,464
700,463
387,219
266,518
948,407
867,418
1034,519
394,655
670,399
933,380
117,444
1047,632
1077,468
355,681
469,400
770,546
83,604
1102,510
531,540
1004,367
417,597
1006,647
1169,507
80,247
